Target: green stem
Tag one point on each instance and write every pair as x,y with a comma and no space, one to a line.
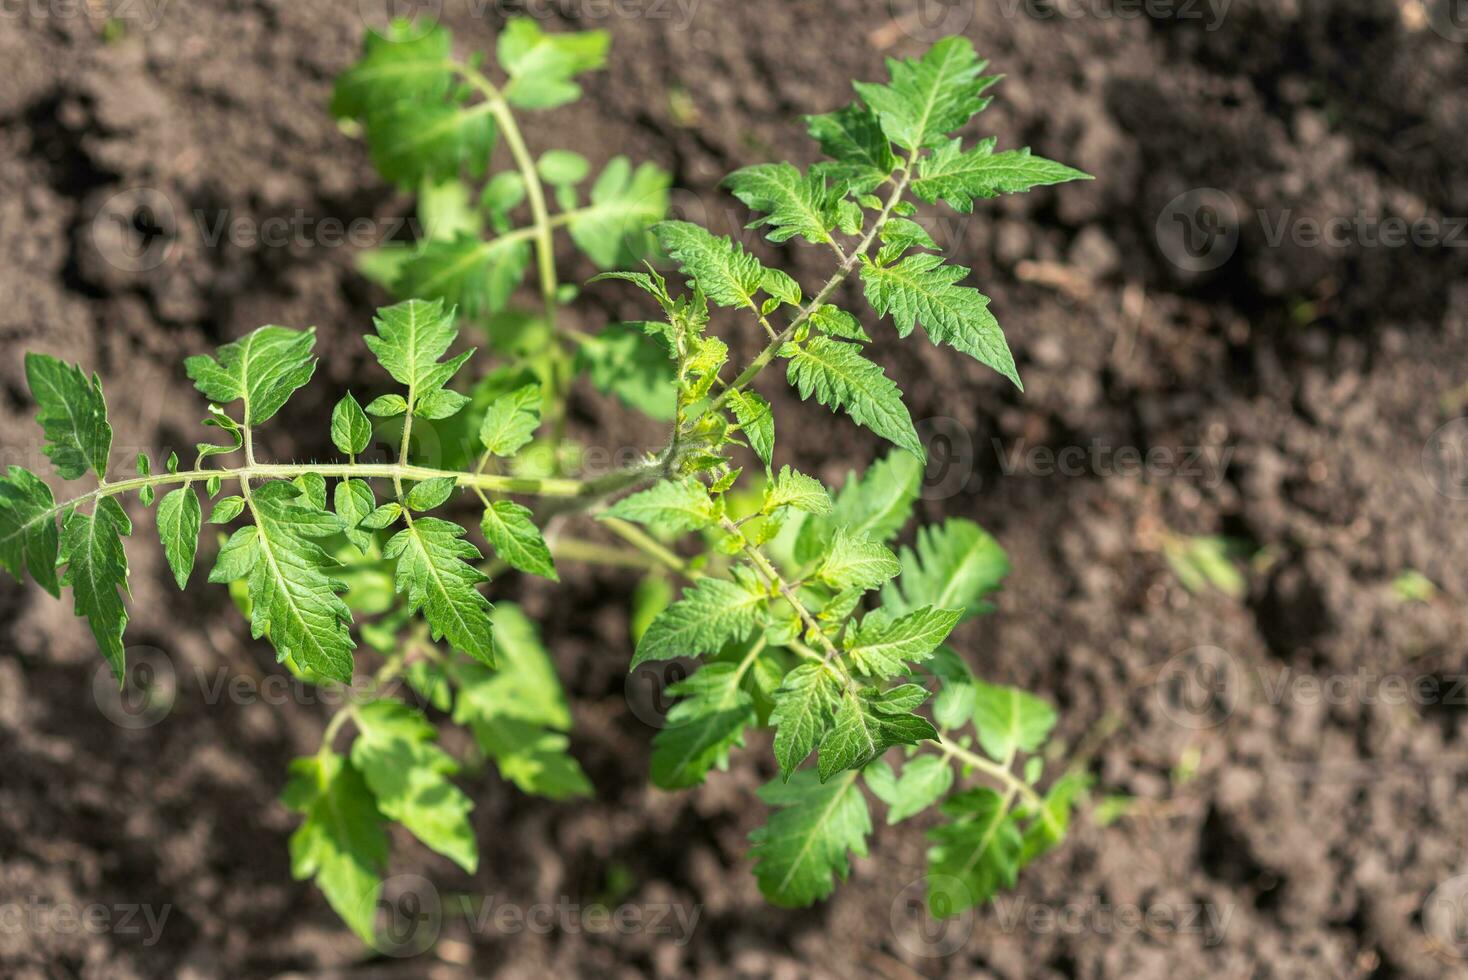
649,546
575,549
841,274
1012,783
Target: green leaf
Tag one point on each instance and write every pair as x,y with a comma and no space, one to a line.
794,489
410,339
727,274
781,288
874,505
702,727
794,203
96,570
975,855
868,723
901,234
430,493
476,275
836,322
624,361
179,518
949,174
28,537
931,96
923,782
921,288
447,209
808,837
853,138
293,599
73,414
804,706
756,422
343,842
615,228
841,378
407,772
1048,827
395,68
435,577
353,500
510,530
518,712
1009,720
857,562
542,65
711,613
262,368
350,429
411,142
227,509
562,167
511,421
441,404
382,517
883,646
669,506
387,406
955,565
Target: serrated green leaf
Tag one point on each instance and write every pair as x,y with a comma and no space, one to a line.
262,368
868,723
923,782
794,489
343,842
973,856
438,405
354,501
518,712
857,562
883,646
959,178
809,835
901,234
382,517
921,289
395,68
804,706
510,530
670,506
350,429
836,322
430,493
703,726
96,570
955,565
794,203
435,577
727,274
387,406
929,97
615,227
73,413
541,65
842,379
781,288
1009,720
511,420
756,422
476,275
411,142
410,339
711,613
853,138
29,540
179,519
407,772
293,599
874,505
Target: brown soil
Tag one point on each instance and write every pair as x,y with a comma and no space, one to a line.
1306,837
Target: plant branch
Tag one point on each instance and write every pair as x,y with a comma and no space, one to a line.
1012,783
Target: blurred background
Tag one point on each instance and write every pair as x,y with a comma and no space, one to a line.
1232,491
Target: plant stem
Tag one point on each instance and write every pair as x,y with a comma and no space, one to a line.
575,549
649,546
1012,783
837,278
